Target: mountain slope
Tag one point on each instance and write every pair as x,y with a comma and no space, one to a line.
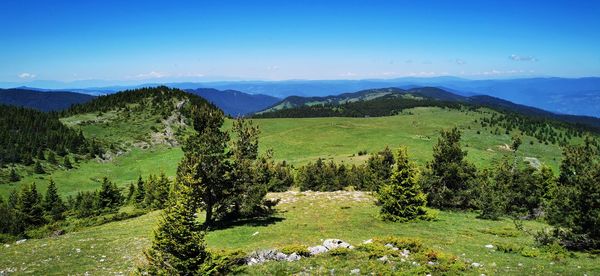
390,101
43,101
235,103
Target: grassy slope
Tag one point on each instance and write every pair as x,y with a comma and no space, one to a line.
303,219
299,141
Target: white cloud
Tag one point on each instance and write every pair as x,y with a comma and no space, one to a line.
26,76
460,61
150,75
273,68
347,74
522,58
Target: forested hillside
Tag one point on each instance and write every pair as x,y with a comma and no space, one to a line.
43,101
26,134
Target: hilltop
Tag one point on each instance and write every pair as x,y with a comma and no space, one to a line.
40,100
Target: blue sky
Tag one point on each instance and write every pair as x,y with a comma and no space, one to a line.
275,40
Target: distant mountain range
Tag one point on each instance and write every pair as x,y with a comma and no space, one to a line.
44,101
576,96
235,103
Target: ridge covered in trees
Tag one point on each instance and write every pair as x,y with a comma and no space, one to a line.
392,101
26,133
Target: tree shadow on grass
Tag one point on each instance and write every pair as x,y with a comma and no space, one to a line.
259,221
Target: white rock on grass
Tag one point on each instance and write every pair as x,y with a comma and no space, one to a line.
355,271
476,265
20,241
368,241
335,243
315,250
293,257
489,246
405,253
391,246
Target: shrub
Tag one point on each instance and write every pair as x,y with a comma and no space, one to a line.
299,249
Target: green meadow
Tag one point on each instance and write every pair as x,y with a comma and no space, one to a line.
305,219
297,141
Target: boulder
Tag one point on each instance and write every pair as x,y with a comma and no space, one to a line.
315,250
293,257
335,243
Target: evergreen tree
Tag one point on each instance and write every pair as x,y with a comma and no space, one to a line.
52,158
67,163
401,198
178,247
575,200
53,204
249,188
40,154
206,158
30,206
161,191
140,194
13,176
130,192
38,168
492,193
109,196
448,178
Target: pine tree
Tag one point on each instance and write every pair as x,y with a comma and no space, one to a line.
109,196
53,204
52,158
492,193
13,176
30,206
38,168
130,192
448,178
67,163
206,157
575,200
178,247
140,194
40,154
401,198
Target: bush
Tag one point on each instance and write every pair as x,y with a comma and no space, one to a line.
411,244
223,262
299,249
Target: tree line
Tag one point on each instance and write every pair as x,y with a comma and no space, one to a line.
27,134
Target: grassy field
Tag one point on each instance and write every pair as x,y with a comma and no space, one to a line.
302,218
298,141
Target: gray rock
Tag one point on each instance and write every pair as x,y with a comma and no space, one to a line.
384,258
355,271
391,246
405,253
280,257
315,250
293,257
261,256
335,243
20,241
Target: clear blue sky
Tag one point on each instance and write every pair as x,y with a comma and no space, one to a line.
274,40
